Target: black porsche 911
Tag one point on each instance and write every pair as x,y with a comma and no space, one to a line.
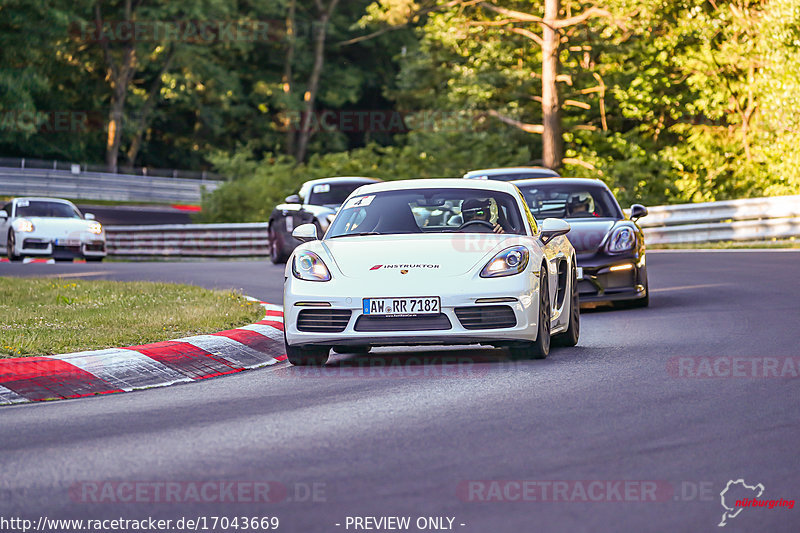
610,247
317,203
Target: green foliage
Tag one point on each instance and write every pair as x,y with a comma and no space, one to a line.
666,101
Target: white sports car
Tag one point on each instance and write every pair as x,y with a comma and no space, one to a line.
50,227
431,262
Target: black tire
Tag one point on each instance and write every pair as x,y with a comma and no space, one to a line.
540,348
570,337
306,355
277,253
10,244
352,349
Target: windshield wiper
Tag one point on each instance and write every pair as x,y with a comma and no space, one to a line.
360,234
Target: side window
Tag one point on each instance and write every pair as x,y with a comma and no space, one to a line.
531,219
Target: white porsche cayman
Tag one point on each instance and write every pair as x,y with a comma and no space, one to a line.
431,262
50,227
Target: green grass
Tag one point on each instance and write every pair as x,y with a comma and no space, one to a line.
41,316
728,245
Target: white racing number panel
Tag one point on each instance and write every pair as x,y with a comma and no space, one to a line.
423,305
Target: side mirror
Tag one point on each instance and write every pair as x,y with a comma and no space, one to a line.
552,228
293,199
88,216
305,233
3,215
638,211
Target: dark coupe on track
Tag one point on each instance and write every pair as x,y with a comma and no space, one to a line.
610,246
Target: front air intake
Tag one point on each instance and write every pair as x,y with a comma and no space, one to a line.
486,317
323,320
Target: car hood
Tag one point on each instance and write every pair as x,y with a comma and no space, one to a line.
587,235
431,255
59,226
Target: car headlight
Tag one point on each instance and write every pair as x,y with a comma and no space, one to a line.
309,267
96,228
622,240
23,225
507,263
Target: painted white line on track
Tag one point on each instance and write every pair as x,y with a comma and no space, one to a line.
690,287
124,369
79,274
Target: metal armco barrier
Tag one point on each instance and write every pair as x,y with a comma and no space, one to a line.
737,220
188,240
752,219
102,186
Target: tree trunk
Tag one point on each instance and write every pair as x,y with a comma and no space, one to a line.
288,75
147,108
551,108
313,81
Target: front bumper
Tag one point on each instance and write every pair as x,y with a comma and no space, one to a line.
601,284
347,294
42,246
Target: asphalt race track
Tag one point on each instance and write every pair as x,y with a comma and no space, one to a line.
620,409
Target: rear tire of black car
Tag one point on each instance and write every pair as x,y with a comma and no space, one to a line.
570,337
10,245
540,348
277,254
352,349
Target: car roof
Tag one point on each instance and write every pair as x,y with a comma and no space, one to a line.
43,199
438,183
508,170
340,179
563,181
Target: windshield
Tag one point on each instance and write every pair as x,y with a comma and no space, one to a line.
559,200
331,193
38,208
443,210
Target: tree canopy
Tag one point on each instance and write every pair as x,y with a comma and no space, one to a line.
692,100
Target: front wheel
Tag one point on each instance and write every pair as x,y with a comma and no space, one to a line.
276,252
540,348
352,349
570,337
306,355
10,246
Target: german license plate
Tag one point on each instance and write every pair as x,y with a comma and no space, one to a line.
68,242
426,305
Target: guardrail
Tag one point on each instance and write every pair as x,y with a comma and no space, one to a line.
102,186
188,240
752,219
737,220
